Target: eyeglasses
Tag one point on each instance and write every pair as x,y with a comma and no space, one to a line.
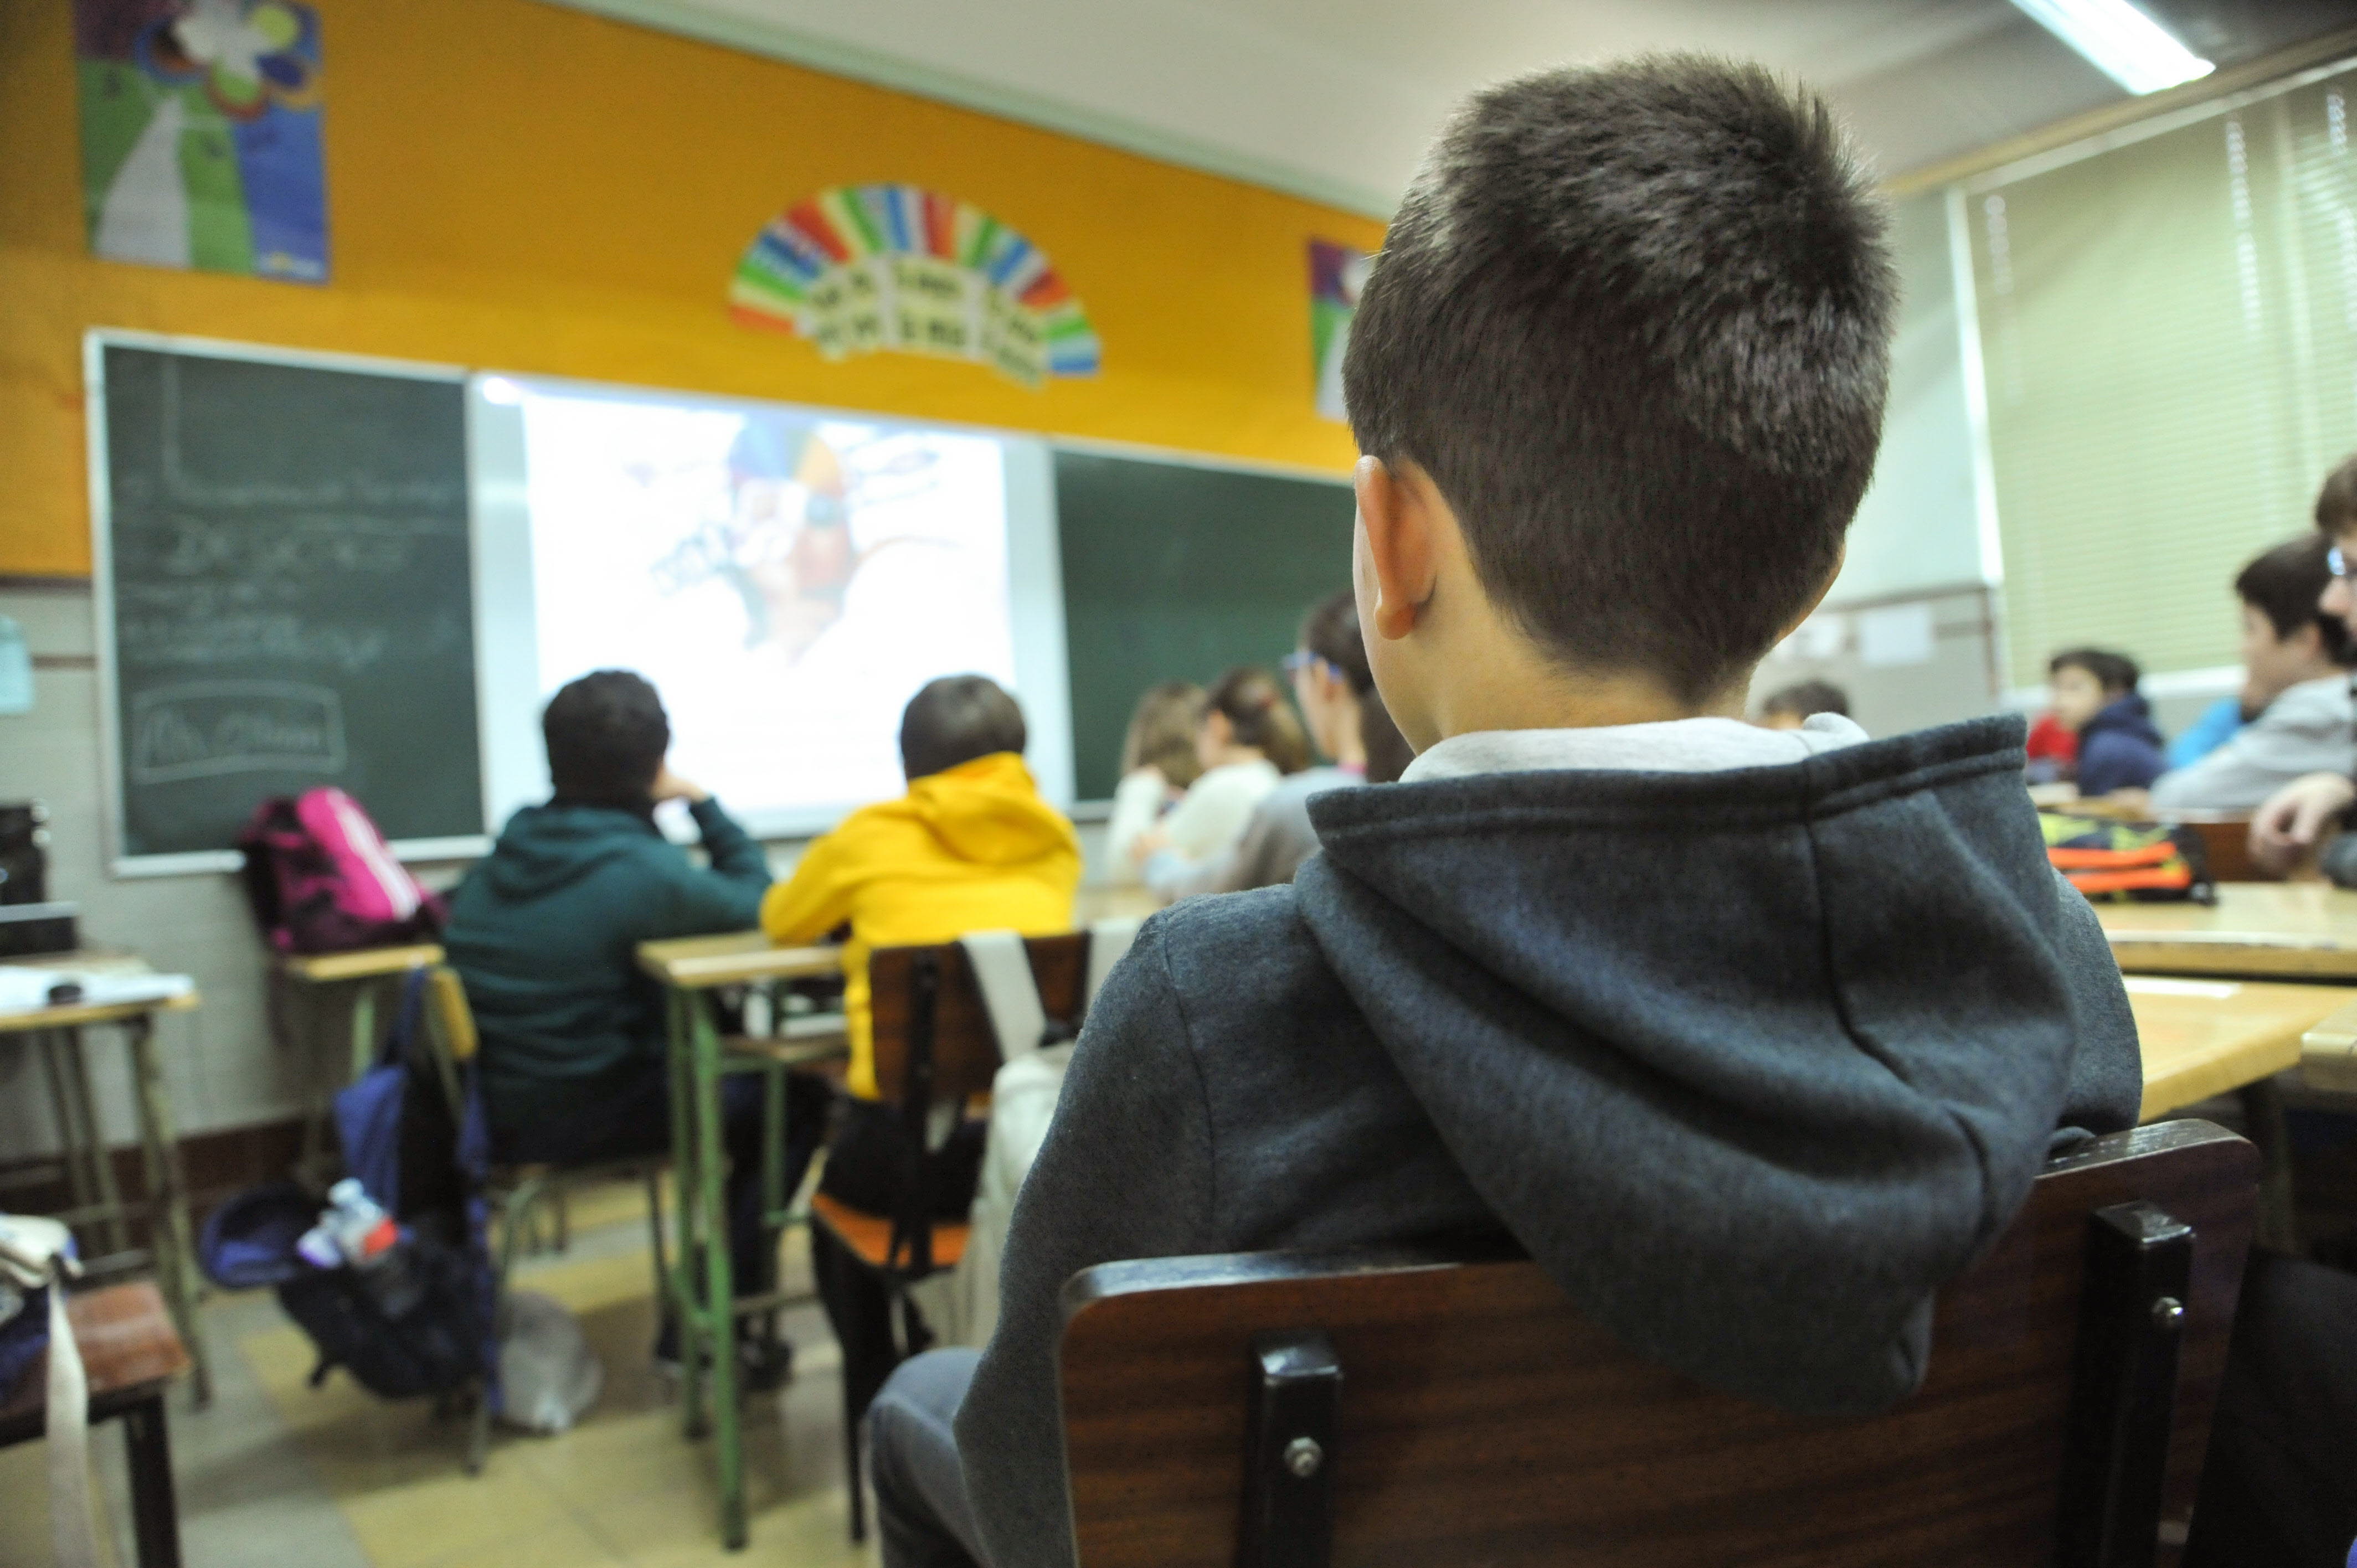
1300,658
2337,563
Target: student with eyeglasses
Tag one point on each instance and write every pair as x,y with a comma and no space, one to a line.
2297,817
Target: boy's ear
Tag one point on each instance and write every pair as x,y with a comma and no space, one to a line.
1396,517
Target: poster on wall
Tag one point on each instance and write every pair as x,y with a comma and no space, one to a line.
898,269
200,136
1336,273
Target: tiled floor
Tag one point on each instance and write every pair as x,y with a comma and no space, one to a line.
280,1473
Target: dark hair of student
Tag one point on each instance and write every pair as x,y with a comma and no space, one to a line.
1388,752
2285,584
606,733
2336,503
1162,733
1635,321
1805,698
955,719
2112,671
1258,714
1331,632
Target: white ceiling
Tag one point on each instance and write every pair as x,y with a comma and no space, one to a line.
1337,98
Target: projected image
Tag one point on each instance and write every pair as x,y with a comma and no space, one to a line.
787,580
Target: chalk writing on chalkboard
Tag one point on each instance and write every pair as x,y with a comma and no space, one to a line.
203,729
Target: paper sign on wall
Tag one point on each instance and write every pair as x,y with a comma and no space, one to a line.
877,268
200,134
1900,634
1337,274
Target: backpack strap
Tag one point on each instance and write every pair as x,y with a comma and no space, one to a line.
1002,969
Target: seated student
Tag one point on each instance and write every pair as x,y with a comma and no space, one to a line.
2293,683
545,932
970,847
1246,740
2095,694
1619,377
1796,704
1336,695
2296,817
1158,763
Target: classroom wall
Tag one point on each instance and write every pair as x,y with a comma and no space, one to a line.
1918,527
519,186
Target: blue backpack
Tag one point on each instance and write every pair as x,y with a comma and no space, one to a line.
419,1321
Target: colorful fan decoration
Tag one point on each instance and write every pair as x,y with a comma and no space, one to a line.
863,269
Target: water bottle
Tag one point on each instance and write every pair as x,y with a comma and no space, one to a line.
351,1230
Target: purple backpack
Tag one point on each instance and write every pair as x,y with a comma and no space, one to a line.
322,880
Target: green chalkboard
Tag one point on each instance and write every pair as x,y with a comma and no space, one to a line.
286,595
1174,571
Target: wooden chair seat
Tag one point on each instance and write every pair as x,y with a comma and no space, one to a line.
868,1237
128,1345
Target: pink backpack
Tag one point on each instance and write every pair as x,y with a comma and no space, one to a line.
322,880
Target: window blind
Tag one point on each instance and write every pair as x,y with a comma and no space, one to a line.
2167,327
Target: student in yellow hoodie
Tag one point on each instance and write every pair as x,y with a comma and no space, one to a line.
970,847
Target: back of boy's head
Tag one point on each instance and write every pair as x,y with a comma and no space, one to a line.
1635,323
2336,503
2287,584
1259,715
956,719
2112,672
606,733
1331,632
1803,699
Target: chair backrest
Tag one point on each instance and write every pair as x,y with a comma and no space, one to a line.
1422,1410
2226,839
922,992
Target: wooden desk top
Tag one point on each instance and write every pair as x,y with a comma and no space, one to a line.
127,1343
2295,929
363,963
78,1015
2206,1036
697,964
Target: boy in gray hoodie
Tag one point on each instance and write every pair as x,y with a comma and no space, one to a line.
1752,1039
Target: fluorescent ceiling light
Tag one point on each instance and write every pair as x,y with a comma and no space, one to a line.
2121,41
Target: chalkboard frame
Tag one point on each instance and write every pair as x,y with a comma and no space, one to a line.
96,341
1088,808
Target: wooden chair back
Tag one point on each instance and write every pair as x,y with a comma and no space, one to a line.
926,1003
2226,839
1465,1413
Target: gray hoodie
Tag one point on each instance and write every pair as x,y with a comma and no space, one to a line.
1751,1061
2305,730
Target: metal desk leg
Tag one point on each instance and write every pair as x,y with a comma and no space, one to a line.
363,1030
91,1136
78,1194
684,1188
167,1200
155,1521
718,1310
2263,1121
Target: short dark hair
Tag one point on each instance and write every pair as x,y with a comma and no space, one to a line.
2112,671
607,734
1805,698
1331,631
2336,502
1254,704
2287,584
1635,323
956,719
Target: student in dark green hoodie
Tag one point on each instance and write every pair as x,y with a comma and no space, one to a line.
545,929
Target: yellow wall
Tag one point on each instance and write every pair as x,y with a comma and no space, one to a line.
515,186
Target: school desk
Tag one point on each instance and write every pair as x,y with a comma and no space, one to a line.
99,1206
330,982
2275,930
2204,1036
690,970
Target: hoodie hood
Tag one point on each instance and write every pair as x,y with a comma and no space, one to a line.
1751,1061
2128,715
545,848
989,811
